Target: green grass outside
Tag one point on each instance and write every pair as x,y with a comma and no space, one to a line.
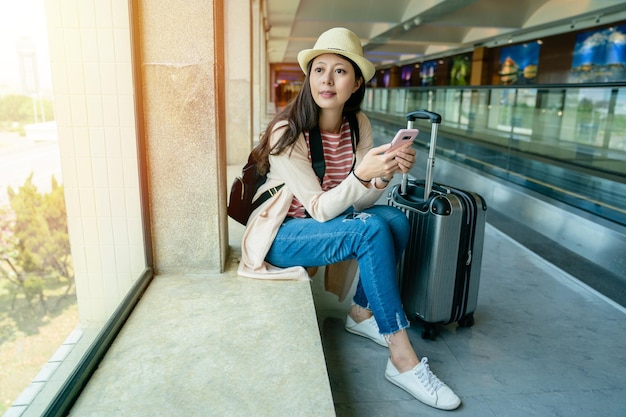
29,336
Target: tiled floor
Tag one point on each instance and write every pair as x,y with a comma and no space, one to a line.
542,345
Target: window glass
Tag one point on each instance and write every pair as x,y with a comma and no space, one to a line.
38,308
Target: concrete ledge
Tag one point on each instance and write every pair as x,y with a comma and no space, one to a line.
217,345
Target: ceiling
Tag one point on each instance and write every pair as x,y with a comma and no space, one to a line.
404,31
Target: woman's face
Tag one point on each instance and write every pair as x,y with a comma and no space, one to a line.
332,81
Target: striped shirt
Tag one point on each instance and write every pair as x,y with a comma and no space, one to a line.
338,156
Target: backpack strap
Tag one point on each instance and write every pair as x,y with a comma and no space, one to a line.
354,134
265,196
354,130
317,153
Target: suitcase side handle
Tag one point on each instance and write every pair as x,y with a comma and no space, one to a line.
424,114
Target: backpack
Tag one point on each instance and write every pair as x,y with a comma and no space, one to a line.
243,189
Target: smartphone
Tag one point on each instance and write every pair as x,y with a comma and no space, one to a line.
403,137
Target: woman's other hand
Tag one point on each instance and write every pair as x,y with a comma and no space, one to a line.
405,157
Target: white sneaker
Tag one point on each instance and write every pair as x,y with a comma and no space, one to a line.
421,383
367,328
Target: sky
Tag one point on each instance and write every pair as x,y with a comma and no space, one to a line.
22,18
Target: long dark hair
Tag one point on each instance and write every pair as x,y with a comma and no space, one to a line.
302,115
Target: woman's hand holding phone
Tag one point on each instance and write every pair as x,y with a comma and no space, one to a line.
405,156
386,160
403,137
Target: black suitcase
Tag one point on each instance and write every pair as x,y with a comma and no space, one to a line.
439,274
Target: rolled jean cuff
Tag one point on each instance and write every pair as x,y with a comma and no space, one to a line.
401,326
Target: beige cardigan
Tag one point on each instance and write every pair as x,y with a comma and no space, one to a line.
295,171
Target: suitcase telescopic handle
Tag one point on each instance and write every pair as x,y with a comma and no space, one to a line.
424,114
435,120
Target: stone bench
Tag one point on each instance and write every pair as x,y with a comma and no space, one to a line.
215,345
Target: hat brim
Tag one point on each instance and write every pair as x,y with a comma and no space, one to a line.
367,68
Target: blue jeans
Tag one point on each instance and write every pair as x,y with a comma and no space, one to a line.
376,237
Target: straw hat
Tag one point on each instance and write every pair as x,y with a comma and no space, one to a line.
339,41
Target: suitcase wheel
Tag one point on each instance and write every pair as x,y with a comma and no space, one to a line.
467,320
430,332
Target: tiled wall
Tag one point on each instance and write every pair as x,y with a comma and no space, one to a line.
90,53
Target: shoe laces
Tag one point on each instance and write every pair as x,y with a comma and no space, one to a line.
426,376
